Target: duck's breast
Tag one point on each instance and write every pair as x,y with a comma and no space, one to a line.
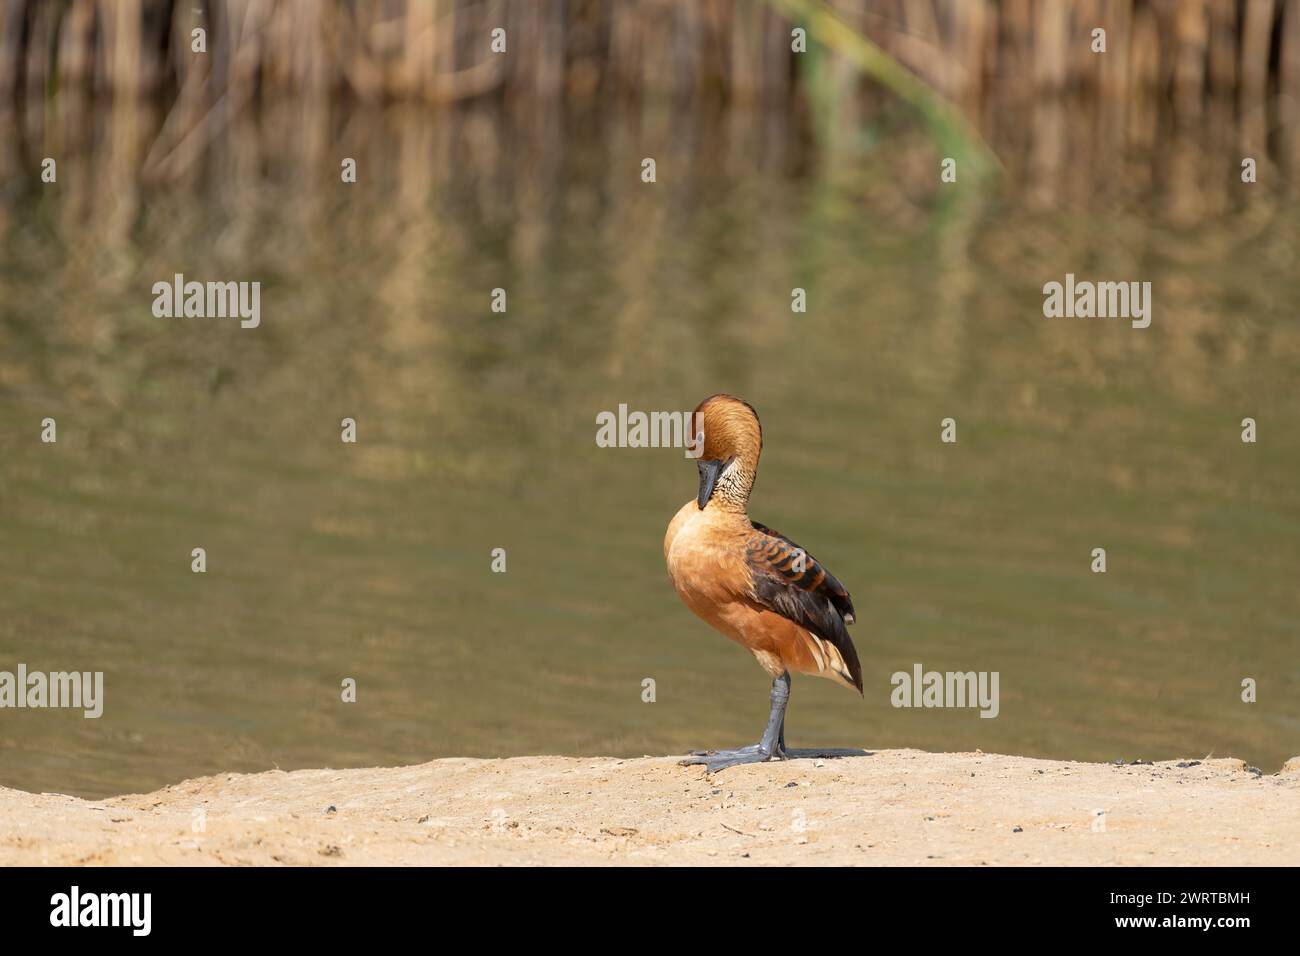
706,562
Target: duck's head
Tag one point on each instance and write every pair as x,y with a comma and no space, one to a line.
733,440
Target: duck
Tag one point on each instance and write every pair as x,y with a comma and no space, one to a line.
753,584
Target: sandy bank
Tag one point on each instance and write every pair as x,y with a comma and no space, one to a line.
892,807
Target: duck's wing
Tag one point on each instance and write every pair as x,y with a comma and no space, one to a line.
790,581
773,554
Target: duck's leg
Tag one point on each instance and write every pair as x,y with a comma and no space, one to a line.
771,747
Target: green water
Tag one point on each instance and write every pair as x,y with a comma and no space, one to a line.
477,431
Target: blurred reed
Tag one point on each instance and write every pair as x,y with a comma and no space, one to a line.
1224,71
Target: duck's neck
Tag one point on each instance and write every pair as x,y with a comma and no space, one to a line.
731,493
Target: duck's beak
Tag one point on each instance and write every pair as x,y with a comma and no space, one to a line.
710,468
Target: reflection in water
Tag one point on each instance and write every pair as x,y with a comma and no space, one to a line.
476,431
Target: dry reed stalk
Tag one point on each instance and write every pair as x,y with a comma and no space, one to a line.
746,59
1144,71
1289,88
1191,42
1051,45
1253,90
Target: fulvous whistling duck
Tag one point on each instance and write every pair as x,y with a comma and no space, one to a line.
754,584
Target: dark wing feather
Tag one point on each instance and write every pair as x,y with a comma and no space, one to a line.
794,584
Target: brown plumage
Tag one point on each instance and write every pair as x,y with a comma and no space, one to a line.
751,583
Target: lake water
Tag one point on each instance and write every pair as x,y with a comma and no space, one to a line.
476,431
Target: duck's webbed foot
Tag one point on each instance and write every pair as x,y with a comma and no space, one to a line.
771,747
715,760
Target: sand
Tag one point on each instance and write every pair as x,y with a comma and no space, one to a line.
900,807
